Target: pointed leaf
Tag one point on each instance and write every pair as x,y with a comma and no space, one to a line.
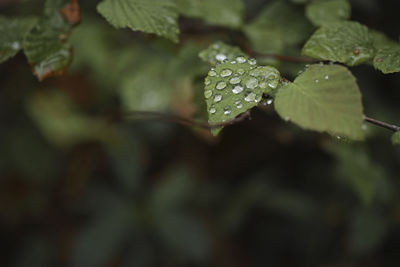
12,32
232,88
322,12
387,60
345,42
155,16
223,12
218,52
323,98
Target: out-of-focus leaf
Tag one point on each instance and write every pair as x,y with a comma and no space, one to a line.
396,138
156,16
323,98
100,240
46,46
36,252
12,32
277,27
62,124
346,42
223,12
322,12
219,52
232,88
358,171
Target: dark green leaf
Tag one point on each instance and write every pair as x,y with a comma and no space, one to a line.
346,42
322,12
155,16
323,98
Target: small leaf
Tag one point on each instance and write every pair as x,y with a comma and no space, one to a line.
346,42
232,88
388,59
322,12
218,52
273,32
12,32
396,138
155,16
323,98
223,12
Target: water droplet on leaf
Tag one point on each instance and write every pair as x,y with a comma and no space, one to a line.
235,80
250,97
220,85
213,110
237,89
227,111
252,83
220,57
217,98
241,60
226,73
207,94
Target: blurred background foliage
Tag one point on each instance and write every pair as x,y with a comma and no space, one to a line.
84,184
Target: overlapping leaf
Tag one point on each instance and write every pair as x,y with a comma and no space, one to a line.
324,98
322,12
219,52
150,16
232,88
12,32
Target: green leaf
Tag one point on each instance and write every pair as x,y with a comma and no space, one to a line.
46,46
396,138
150,16
12,32
323,98
387,60
322,12
232,88
272,31
223,12
346,42
218,52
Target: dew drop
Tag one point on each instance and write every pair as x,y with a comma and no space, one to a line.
364,127
216,46
258,98
207,81
217,98
207,94
326,77
213,110
287,119
241,60
240,71
250,97
235,80
252,61
338,137
212,73
237,89
233,62
317,81
252,83
220,85
15,46
269,101
273,84
238,104
227,111
226,73
220,57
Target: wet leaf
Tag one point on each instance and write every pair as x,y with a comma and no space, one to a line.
223,12
12,32
387,60
396,138
324,98
218,52
322,12
346,42
156,16
234,87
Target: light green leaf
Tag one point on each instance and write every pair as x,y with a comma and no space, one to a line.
321,12
219,52
232,88
12,32
150,16
323,98
279,25
346,42
396,138
222,12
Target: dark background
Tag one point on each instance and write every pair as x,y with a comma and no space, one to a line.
151,192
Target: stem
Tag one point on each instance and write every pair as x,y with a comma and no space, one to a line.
382,124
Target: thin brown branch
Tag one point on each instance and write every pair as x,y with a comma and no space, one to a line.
182,120
382,124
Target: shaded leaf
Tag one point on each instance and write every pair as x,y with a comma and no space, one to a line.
12,32
322,12
155,16
223,12
232,88
218,52
387,60
273,32
323,98
396,138
346,42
